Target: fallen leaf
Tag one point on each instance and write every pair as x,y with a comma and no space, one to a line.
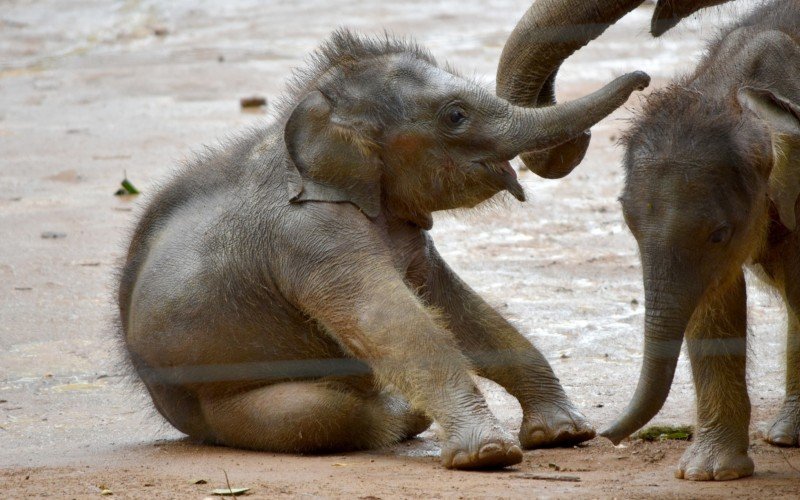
127,188
666,432
252,102
227,492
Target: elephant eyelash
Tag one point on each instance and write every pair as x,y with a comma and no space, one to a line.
721,234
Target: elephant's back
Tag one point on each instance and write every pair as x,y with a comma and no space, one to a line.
194,288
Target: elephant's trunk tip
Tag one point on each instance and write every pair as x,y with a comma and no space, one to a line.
639,79
615,434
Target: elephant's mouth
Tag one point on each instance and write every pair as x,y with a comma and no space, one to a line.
504,174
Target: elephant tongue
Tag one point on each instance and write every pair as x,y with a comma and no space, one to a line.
509,178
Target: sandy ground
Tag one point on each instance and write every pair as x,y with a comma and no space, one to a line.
91,90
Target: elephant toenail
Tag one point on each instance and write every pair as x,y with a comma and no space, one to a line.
697,475
460,459
781,440
489,450
726,475
538,436
514,453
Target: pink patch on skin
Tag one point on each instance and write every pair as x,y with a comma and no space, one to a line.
506,166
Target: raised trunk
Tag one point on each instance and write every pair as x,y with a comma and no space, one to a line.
548,33
667,315
532,128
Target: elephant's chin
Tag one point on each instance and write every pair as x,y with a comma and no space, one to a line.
505,176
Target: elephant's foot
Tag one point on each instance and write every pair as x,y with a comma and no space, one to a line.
707,461
481,448
785,431
554,424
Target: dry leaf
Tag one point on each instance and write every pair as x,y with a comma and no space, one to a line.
227,492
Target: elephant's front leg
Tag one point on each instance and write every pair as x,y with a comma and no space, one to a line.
370,311
502,354
717,346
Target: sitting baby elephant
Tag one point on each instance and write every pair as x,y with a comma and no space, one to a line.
283,294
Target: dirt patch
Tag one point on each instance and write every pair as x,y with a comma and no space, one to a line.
173,470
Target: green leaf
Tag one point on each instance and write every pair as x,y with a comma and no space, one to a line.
666,433
127,188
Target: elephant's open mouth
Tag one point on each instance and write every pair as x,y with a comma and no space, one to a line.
504,173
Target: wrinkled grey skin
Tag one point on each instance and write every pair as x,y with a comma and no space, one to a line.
282,293
713,177
548,33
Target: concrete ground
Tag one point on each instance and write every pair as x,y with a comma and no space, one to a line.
93,91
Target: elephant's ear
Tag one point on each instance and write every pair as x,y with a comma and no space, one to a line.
783,119
332,156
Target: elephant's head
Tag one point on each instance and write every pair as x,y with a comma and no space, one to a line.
383,127
548,33
703,181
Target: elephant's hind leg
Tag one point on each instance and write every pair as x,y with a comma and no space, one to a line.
785,430
309,417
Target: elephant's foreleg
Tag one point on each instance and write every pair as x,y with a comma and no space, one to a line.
502,354
376,318
716,340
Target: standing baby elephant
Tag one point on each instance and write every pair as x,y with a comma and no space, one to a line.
283,294
712,184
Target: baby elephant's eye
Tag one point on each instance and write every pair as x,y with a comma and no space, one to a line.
456,116
721,234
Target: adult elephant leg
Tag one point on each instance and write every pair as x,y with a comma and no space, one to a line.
502,354
716,340
307,417
785,430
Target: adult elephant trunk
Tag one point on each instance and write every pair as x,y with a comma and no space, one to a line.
669,305
548,33
668,13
